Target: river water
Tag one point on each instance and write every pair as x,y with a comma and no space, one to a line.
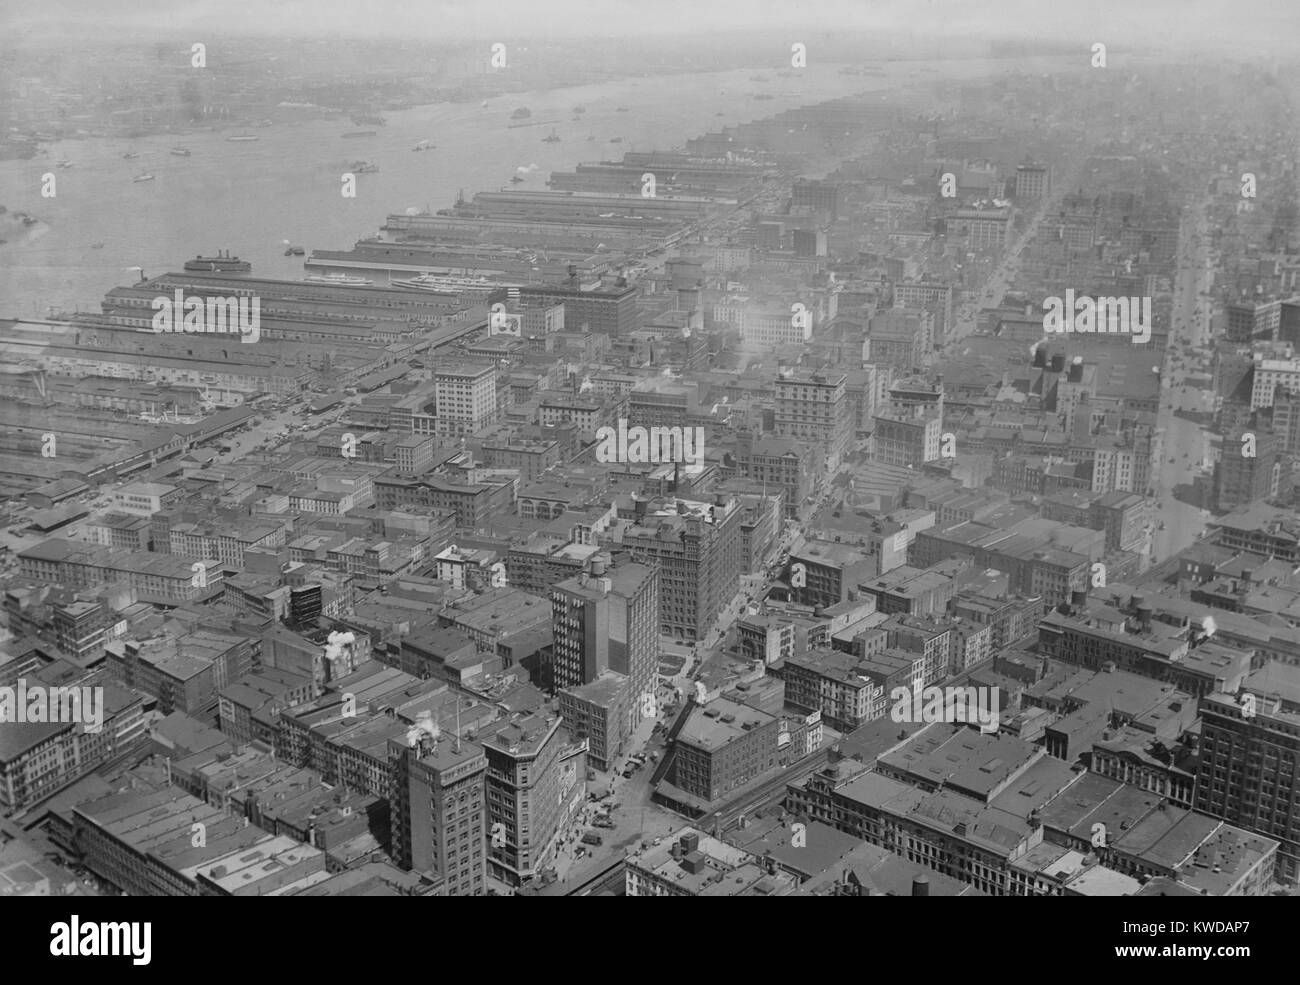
250,197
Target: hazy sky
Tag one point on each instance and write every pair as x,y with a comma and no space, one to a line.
1267,22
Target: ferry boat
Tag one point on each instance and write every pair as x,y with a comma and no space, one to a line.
443,283
342,280
143,177
522,113
235,138
181,151
223,262
294,251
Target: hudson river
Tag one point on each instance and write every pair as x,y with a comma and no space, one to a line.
249,197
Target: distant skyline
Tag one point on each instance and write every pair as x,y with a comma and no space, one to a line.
1231,23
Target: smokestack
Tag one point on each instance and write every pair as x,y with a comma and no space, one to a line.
1040,358
1076,370
921,885
1058,363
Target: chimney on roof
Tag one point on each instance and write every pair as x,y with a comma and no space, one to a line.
921,885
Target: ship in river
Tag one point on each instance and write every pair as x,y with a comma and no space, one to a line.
444,284
181,151
522,113
363,167
222,263
237,137
143,177
343,280
360,133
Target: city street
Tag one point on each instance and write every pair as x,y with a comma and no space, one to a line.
967,316
635,819
1183,440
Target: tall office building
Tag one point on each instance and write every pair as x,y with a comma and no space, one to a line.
465,398
534,789
815,407
607,619
1033,181
1286,421
934,298
1250,768
605,310
699,549
439,810
907,440
1241,479
819,196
